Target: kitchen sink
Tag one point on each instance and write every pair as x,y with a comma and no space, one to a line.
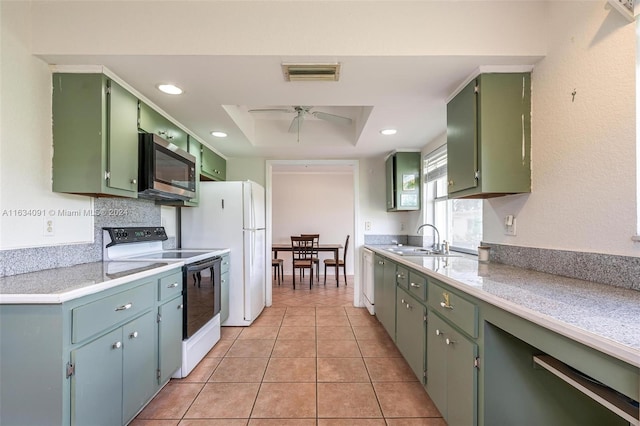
418,252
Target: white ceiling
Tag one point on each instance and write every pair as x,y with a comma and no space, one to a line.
398,88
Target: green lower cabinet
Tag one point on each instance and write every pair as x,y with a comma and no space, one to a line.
114,374
169,338
93,360
385,293
139,364
411,331
96,386
224,295
452,375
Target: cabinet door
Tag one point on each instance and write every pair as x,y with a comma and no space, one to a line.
96,386
389,298
437,362
378,285
122,157
391,182
407,181
170,338
139,364
462,380
462,146
411,332
152,121
224,296
214,166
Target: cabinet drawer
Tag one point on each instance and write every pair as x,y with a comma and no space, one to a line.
88,320
224,265
170,286
402,277
457,310
418,285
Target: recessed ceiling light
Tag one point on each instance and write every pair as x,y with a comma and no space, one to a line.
218,134
170,89
388,132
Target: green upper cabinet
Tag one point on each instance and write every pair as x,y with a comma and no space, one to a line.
214,167
403,181
152,121
95,136
489,137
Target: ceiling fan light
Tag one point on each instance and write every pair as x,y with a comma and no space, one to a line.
388,132
218,134
170,89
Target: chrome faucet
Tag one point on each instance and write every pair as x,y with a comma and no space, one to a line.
436,244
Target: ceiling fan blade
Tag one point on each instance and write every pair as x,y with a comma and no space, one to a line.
296,124
272,110
338,119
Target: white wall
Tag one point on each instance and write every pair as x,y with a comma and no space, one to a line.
310,203
584,193
25,146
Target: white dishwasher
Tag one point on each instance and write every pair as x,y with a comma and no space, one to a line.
367,279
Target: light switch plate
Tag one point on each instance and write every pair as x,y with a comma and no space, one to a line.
510,229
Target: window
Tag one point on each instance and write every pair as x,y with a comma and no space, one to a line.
459,221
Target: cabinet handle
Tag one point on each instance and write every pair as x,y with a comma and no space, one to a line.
133,335
223,281
380,262
162,132
409,307
180,306
439,333
174,285
116,345
134,181
400,275
170,137
444,305
414,285
449,342
450,183
124,307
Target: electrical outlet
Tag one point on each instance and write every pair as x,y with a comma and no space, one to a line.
510,229
367,226
49,229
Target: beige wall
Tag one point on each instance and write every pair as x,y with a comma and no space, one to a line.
584,192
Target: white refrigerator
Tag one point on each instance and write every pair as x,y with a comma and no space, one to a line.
232,215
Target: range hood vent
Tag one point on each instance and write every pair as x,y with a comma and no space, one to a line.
311,72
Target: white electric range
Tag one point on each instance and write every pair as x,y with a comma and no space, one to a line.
201,284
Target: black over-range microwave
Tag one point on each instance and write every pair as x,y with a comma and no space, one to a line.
165,172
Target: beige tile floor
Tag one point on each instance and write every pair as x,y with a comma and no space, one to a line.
310,359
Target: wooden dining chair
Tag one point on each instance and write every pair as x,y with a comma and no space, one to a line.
278,269
302,255
314,255
342,263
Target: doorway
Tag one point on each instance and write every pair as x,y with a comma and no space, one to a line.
311,185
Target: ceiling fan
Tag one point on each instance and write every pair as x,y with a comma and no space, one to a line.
303,111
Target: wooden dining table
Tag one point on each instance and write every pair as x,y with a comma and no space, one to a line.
332,248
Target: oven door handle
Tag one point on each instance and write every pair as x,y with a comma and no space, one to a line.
202,265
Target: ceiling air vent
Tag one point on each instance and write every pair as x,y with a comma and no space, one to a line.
311,72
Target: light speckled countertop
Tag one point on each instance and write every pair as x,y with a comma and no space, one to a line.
59,285
604,317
